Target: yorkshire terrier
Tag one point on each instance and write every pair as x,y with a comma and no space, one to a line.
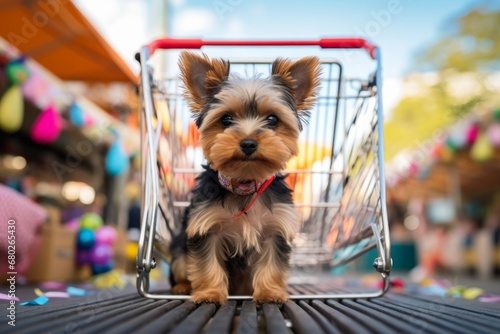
238,230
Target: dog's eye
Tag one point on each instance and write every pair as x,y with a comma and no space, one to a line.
226,121
272,121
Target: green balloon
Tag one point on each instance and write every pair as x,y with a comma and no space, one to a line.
17,72
451,145
91,221
496,114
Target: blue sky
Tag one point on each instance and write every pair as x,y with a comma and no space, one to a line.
401,28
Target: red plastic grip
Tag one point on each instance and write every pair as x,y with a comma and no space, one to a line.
324,43
174,43
349,43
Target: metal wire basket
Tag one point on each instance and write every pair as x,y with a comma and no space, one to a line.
337,177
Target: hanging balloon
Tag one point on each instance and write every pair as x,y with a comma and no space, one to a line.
482,150
496,115
47,127
456,138
437,151
117,161
17,72
494,134
91,221
106,235
76,115
452,145
11,110
472,133
85,239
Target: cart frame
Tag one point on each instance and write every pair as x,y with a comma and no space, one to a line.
150,134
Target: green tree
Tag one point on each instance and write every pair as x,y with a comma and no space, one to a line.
462,63
471,45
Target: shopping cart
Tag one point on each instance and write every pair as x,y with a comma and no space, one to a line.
337,178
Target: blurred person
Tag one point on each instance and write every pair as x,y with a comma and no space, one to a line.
492,225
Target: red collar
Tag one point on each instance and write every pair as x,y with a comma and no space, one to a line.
247,188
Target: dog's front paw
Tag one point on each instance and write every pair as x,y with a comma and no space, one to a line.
181,288
209,296
262,296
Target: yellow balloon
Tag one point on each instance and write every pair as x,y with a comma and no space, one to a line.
131,250
11,110
482,150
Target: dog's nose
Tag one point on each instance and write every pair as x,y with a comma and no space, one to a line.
248,146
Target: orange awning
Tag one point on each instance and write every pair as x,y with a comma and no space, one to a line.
59,37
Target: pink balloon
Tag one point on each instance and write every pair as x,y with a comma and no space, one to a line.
106,235
494,134
472,133
47,127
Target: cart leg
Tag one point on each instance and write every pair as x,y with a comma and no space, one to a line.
206,270
270,271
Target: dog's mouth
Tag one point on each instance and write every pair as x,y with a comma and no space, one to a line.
245,181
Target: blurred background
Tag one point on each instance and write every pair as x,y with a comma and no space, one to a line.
69,119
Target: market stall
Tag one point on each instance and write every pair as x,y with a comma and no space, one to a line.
64,153
447,193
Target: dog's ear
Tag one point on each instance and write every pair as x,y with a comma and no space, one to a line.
302,77
201,76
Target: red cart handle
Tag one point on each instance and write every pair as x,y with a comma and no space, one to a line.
324,43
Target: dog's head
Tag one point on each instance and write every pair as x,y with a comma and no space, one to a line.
249,128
